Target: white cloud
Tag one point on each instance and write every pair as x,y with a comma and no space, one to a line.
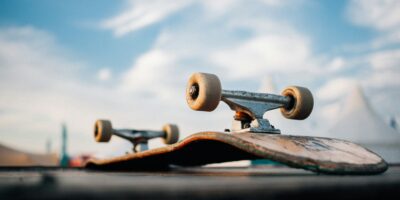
218,7
335,89
272,2
337,64
265,54
379,14
387,39
141,14
385,59
384,79
150,69
104,74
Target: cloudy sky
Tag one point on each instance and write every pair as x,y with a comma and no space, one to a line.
128,61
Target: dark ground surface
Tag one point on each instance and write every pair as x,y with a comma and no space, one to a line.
195,183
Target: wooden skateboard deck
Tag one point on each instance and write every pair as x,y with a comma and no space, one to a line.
322,155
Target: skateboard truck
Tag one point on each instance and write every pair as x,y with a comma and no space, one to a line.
204,93
139,138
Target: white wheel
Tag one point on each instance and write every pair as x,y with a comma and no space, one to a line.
171,133
203,92
302,103
103,130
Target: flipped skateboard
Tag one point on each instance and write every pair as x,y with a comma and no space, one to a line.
251,136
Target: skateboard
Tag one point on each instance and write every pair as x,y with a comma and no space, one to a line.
250,137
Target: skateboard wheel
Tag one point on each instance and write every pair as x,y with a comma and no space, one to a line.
103,130
203,92
301,105
171,133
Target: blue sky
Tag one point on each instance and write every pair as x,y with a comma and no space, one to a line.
75,26
128,61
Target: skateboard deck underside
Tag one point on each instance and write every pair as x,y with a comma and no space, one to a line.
323,155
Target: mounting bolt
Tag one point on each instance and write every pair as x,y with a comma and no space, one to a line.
194,91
